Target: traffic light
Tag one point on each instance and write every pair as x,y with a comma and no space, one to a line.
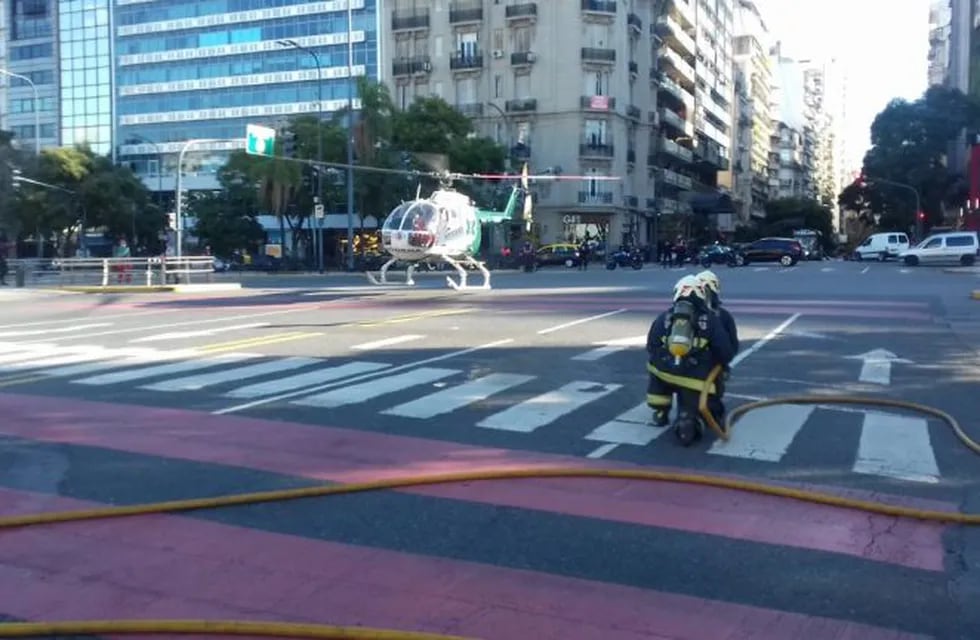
288,138
921,216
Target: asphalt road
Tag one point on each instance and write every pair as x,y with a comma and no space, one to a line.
297,379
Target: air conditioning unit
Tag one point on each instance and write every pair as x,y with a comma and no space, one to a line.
531,57
498,53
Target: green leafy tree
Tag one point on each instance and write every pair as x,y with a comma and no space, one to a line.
430,125
910,141
785,215
10,160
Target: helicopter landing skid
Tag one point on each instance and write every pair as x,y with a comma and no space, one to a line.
458,266
409,273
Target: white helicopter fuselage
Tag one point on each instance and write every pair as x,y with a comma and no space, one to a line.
444,225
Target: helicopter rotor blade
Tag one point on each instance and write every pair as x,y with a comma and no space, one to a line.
539,177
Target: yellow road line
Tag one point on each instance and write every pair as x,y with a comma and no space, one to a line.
256,342
417,316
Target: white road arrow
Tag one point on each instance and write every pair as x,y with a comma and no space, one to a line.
877,365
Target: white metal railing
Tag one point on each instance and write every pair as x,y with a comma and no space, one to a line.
105,272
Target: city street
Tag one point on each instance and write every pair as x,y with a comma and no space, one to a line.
297,380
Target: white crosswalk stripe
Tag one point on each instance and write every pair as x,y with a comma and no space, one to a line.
889,446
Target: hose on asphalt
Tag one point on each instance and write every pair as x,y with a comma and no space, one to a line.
209,627
276,629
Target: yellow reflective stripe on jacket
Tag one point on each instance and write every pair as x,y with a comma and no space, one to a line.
657,400
694,384
699,343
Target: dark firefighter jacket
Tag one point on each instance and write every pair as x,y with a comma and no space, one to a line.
713,346
728,322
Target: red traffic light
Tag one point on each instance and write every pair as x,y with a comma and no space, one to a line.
922,215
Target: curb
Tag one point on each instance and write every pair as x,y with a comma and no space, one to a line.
975,270
118,289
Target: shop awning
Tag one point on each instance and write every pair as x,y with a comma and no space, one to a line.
711,202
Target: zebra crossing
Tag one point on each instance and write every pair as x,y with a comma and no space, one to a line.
889,445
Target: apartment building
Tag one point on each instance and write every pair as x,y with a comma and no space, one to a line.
625,98
30,50
191,70
750,155
940,14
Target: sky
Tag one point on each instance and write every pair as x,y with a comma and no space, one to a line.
882,46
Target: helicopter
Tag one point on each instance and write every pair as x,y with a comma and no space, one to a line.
447,227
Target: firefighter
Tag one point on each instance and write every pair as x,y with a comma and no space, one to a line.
683,345
712,287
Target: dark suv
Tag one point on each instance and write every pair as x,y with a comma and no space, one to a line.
785,251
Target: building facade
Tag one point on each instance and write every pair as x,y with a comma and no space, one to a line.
185,69
625,106
84,52
940,13
753,120
31,51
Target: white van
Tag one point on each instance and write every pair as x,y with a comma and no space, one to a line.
881,246
961,247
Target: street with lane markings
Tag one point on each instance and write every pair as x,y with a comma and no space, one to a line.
297,379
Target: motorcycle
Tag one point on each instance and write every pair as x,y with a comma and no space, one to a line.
622,258
720,254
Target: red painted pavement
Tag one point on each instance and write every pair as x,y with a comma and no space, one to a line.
176,567
340,455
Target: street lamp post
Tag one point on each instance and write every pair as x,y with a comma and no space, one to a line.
178,209
350,136
37,108
318,240
918,200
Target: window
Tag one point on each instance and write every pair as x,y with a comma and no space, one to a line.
467,45
524,133
595,132
522,85
498,82
959,241
597,83
466,91
521,39
498,38
935,243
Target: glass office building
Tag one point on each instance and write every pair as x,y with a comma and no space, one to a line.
30,44
203,69
85,52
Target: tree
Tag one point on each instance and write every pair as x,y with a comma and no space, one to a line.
910,141
785,215
10,160
84,190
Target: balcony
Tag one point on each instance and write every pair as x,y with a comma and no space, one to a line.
466,61
669,86
411,66
598,103
522,105
633,112
523,11
591,54
634,23
676,179
604,8
520,152
674,35
671,148
410,20
522,58
595,197
596,150
674,120
461,12
676,67
683,12
471,109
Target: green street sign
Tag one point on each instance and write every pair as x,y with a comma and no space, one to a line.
260,141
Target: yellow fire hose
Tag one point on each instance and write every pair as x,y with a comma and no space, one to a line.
210,628
10,630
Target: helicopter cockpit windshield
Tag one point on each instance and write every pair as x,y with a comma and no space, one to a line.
422,216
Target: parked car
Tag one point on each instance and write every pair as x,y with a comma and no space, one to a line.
961,246
881,246
553,254
785,251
